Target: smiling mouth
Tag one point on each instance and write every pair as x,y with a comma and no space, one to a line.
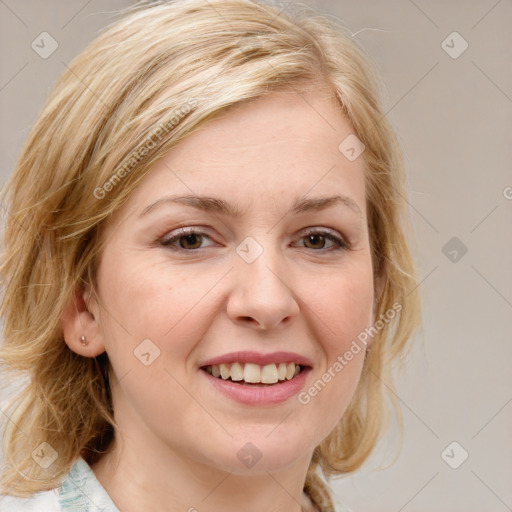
254,374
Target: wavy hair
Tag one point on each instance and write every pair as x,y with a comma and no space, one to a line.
158,74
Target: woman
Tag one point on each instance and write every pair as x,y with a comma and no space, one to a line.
206,266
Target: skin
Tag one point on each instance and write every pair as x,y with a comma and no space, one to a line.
179,437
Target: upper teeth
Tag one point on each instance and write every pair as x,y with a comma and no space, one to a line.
254,373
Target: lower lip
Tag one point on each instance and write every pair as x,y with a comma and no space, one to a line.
259,395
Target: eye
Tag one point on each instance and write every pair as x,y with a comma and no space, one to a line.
317,239
189,239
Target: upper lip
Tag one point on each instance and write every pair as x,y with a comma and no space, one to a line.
258,358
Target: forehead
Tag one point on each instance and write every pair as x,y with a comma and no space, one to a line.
266,153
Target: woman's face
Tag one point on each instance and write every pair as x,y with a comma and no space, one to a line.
288,279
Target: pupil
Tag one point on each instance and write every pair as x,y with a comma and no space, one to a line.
313,237
190,237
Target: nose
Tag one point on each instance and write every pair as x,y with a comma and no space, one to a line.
262,295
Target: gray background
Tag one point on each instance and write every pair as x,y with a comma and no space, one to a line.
453,117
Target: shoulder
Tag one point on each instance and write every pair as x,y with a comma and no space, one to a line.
80,490
45,500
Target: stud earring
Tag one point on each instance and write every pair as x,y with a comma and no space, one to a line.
83,341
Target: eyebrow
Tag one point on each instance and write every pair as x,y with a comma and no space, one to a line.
217,205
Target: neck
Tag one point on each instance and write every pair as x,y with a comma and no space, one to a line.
174,483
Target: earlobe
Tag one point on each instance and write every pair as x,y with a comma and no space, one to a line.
80,326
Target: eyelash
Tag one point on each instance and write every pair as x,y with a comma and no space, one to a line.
340,244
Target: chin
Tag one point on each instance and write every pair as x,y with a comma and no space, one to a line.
260,453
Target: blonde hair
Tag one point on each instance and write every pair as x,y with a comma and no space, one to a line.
159,74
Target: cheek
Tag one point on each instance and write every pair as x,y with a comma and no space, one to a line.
176,308
344,309
149,301
150,322
145,296
343,304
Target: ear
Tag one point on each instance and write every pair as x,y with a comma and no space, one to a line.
81,318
